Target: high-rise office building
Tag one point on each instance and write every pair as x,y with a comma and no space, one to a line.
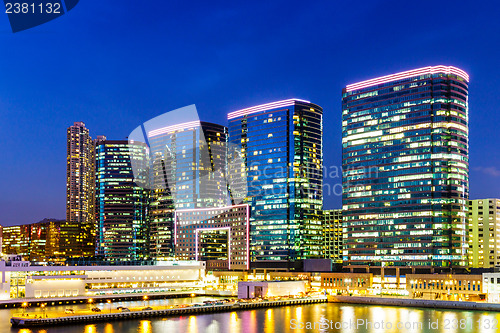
484,233
332,235
78,232
405,168
282,163
121,206
188,172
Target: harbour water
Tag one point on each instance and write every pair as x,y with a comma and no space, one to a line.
323,317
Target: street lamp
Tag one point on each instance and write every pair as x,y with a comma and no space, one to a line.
24,305
43,308
145,298
348,282
192,295
90,303
109,302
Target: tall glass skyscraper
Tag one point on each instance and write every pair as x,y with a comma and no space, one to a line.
188,172
282,161
405,166
121,206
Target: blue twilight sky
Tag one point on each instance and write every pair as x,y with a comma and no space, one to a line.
117,63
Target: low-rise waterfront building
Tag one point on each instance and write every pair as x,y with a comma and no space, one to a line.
350,283
19,281
456,287
256,289
491,286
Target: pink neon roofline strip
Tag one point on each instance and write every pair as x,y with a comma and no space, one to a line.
262,107
173,128
408,74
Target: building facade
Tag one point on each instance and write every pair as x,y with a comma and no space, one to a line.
450,287
122,207
269,289
282,167
220,236
491,286
484,233
332,234
59,282
188,172
16,240
78,232
36,242
405,168
347,283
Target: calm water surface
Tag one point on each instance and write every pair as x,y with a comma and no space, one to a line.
328,317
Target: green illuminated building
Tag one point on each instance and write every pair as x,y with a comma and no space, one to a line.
121,206
282,162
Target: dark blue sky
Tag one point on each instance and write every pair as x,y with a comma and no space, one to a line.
117,63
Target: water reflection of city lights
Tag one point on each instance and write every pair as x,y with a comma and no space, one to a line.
269,324
145,327
347,315
108,328
233,322
192,325
298,313
487,323
450,322
90,329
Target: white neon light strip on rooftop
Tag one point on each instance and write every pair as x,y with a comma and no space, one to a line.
408,74
174,128
263,107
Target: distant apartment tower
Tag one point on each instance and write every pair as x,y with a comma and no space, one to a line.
121,206
77,234
188,172
405,163
332,234
282,163
484,233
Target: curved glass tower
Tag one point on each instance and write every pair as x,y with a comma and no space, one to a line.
282,161
405,162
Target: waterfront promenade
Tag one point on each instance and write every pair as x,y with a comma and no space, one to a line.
50,318
18,302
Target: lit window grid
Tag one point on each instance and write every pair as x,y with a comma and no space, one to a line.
188,223
363,148
276,233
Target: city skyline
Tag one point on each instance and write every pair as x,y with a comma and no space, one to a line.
328,192
250,57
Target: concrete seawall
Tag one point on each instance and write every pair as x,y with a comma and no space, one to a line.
73,319
17,302
417,303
